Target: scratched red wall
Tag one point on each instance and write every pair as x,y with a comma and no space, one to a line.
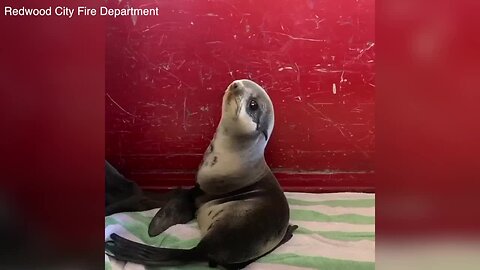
166,74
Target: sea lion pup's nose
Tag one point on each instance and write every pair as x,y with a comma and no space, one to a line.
235,87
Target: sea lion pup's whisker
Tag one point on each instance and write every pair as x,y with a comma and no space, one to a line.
240,208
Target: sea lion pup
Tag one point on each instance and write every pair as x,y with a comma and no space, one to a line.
241,210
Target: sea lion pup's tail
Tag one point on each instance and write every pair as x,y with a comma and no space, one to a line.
126,250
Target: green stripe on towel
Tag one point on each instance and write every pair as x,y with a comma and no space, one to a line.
340,235
334,203
308,215
316,262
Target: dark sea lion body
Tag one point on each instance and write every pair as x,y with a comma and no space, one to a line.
243,225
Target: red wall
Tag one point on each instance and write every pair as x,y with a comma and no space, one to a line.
166,74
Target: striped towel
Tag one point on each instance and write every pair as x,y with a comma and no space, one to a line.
336,231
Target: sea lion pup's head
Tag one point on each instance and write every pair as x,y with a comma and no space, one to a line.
235,157
247,111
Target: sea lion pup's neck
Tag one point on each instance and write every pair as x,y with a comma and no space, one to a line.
232,162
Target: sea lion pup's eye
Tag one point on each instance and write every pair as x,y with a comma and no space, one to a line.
253,105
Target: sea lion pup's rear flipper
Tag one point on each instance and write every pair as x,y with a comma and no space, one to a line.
288,236
179,209
126,250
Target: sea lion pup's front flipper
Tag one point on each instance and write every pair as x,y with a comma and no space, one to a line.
179,209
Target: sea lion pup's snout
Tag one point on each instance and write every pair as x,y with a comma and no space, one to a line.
247,110
233,87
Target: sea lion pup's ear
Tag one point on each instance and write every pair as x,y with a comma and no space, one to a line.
265,117
263,125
